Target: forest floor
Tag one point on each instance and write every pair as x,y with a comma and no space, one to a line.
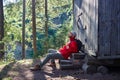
19,70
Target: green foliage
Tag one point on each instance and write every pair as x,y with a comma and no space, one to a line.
57,32
61,35
10,57
7,78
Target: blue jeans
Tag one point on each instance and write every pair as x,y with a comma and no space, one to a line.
52,55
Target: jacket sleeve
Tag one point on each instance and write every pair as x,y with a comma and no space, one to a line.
73,47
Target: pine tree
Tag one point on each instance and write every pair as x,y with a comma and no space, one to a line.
46,25
34,26
23,31
1,29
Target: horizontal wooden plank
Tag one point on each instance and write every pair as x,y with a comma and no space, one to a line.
109,57
65,62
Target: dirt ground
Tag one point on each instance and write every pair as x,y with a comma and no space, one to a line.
20,71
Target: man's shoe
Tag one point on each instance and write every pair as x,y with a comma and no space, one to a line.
35,68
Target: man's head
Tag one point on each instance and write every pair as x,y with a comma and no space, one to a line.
72,34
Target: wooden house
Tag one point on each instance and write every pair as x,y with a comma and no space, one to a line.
97,24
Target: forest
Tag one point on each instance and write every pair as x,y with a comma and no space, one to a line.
59,40
41,25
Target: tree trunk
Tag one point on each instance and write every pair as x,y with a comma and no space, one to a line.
46,25
23,31
1,29
34,26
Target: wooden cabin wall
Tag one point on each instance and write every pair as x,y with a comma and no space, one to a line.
86,25
109,29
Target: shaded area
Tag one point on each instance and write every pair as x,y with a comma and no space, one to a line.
14,71
20,71
5,70
37,75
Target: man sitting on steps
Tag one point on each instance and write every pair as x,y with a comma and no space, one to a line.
63,53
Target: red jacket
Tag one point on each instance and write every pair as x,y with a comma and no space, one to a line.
69,48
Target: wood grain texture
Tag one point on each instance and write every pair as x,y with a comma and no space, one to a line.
99,26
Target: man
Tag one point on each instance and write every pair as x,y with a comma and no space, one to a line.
62,53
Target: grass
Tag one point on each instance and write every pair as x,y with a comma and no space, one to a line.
7,78
3,62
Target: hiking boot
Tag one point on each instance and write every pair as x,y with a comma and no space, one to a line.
35,68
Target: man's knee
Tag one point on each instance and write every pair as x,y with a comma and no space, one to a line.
51,51
50,55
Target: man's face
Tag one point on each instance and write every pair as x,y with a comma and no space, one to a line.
70,34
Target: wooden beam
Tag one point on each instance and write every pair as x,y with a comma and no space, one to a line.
109,57
34,26
23,30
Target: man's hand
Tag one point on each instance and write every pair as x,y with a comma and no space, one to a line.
67,47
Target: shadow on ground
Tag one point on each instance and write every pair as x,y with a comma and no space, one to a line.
5,70
20,70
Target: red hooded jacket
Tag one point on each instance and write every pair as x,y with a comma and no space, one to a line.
69,48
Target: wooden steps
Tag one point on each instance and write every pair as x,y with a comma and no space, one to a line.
75,62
